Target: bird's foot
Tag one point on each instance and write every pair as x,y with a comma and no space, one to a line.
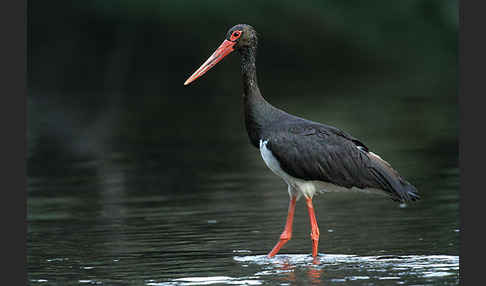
315,240
284,238
315,243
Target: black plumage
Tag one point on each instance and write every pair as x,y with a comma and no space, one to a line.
306,154
316,152
310,150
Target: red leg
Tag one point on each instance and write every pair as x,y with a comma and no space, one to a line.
314,227
287,233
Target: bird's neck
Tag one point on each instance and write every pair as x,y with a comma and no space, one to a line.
248,73
258,112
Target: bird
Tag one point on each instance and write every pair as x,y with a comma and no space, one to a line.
311,157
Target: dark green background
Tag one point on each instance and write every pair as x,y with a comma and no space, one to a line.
124,62
115,137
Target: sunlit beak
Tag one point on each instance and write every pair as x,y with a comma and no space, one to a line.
222,51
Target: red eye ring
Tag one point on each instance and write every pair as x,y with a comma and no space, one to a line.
235,35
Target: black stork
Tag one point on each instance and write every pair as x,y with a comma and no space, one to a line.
309,156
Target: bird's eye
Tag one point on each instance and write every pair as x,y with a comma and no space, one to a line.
235,35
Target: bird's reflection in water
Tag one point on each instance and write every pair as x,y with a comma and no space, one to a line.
313,273
286,267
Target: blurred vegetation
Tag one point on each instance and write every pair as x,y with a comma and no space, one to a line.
338,36
105,71
113,132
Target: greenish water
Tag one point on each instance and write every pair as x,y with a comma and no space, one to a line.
135,179
192,203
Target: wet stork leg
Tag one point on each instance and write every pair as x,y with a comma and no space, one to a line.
314,228
287,233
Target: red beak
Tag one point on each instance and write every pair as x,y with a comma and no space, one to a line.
222,51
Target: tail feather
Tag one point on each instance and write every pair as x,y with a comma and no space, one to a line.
391,181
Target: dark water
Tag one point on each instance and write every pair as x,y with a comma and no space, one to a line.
135,179
169,206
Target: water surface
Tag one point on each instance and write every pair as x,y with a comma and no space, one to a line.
116,199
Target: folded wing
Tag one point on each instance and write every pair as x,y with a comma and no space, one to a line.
324,153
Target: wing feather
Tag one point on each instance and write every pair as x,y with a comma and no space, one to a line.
325,153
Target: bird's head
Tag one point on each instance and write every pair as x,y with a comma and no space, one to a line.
243,35
241,38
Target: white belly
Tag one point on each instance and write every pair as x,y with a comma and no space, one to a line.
302,187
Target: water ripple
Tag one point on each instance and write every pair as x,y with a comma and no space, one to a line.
353,267
207,281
